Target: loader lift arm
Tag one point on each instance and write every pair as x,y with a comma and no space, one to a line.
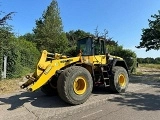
47,66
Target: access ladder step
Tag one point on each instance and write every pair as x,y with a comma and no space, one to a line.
106,78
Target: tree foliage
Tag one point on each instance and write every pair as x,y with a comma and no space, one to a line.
3,36
72,37
128,55
111,42
28,36
149,60
150,38
49,33
22,56
5,18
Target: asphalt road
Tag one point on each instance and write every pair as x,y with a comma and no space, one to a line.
141,101
143,104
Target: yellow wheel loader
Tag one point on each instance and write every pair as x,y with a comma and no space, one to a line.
73,78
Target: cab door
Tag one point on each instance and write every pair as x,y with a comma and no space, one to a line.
99,56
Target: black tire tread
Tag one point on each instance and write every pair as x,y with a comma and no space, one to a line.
62,84
113,86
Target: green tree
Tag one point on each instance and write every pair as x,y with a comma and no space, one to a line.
72,37
111,42
5,18
49,32
28,36
151,36
157,60
129,56
140,60
147,60
4,30
22,57
5,34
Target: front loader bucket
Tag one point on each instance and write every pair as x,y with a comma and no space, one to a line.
47,66
42,79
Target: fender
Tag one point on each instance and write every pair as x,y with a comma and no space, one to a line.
120,62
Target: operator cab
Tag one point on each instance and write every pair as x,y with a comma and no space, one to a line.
90,46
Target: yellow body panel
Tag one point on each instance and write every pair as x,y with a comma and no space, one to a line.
97,59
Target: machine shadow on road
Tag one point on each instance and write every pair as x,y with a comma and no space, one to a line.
36,99
142,99
145,78
151,79
139,101
101,90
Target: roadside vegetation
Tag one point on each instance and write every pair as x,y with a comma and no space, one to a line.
156,66
9,85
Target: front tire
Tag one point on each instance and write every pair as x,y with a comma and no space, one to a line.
50,88
75,85
119,80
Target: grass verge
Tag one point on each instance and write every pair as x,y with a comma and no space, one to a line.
156,66
8,86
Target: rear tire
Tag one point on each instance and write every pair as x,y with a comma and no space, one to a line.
75,85
119,80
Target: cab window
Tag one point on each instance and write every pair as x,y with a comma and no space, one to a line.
99,47
85,46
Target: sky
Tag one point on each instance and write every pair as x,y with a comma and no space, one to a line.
123,19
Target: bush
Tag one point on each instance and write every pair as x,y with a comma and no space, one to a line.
22,57
128,55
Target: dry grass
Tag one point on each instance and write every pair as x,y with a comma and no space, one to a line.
156,66
8,86
148,69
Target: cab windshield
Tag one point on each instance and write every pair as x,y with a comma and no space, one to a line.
85,46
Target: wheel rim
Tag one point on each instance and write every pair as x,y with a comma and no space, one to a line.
122,80
80,85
